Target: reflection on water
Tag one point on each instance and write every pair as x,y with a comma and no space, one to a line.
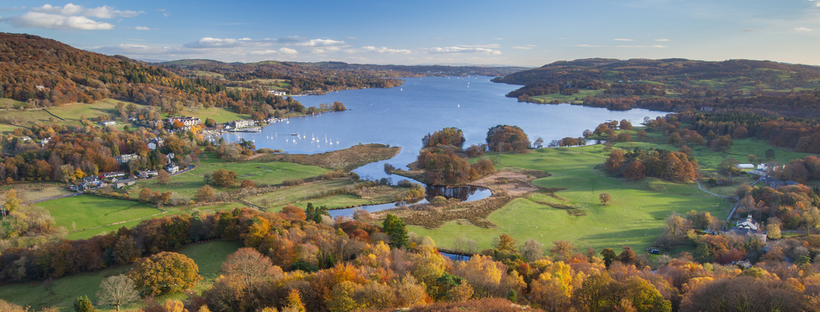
460,192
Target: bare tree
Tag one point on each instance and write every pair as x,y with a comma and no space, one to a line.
532,250
117,291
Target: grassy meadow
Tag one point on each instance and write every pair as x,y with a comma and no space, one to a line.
260,172
633,218
87,212
62,292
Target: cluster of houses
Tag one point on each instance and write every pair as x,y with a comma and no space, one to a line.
186,121
117,179
763,171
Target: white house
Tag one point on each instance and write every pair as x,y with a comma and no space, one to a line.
172,168
748,224
745,166
125,158
107,123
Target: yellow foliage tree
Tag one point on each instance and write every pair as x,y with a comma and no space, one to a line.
165,272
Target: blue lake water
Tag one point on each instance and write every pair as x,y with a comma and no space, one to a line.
401,116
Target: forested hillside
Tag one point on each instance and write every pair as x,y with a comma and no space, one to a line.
674,85
41,72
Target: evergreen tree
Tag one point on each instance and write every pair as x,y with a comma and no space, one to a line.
396,229
83,304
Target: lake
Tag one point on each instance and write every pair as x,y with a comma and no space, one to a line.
401,116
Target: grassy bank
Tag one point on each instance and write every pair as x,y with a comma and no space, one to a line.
62,292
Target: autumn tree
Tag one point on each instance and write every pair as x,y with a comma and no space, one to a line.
605,198
118,290
447,136
615,160
224,178
635,170
562,250
627,256
12,202
205,193
165,272
146,195
505,138
247,184
163,177
505,244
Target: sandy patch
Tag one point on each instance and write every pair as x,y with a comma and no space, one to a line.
515,183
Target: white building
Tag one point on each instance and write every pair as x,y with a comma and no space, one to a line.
172,168
242,123
186,121
125,158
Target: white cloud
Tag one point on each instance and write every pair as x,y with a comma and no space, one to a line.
458,49
320,43
79,10
621,39
662,40
587,46
142,28
816,2
498,38
802,29
384,50
317,51
288,51
263,52
522,48
489,46
129,46
208,42
657,46
55,21
350,38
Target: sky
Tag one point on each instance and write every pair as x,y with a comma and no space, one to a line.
479,32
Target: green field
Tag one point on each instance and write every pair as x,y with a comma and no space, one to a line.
575,98
85,212
218,114
170,211
62,292
633,218
260,172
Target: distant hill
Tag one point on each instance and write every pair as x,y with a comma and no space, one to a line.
673,84
40,72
